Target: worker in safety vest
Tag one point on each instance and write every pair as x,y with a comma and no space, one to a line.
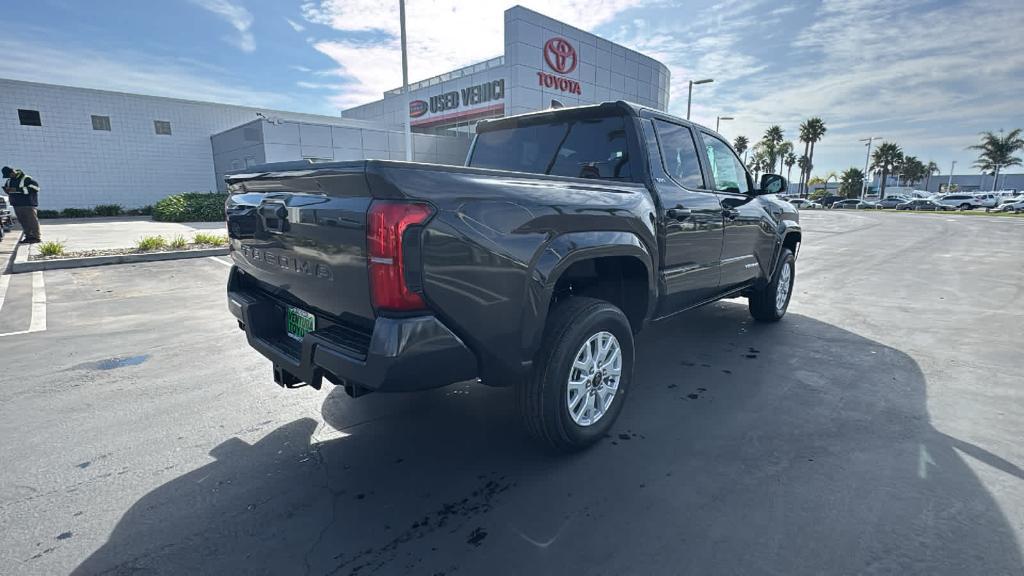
24,194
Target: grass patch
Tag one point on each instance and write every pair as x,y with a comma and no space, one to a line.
211,239
149,243
178,242
51,248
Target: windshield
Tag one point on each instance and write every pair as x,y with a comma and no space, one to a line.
584,148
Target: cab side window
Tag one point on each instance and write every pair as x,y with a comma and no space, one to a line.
679,154
727,172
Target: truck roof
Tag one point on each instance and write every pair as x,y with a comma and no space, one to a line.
618,107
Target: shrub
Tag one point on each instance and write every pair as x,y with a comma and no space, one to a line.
148,243
178,242
211,239
108,210
77,213
51,248
48,213
191,207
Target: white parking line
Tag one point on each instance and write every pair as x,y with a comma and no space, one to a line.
5,280
38,321
224,262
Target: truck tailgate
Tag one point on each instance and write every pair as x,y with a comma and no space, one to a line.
303,238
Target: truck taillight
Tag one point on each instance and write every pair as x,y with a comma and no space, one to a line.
387,222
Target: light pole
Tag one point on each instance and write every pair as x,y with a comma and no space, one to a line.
867,159
689,94
949,183
718,121
405,84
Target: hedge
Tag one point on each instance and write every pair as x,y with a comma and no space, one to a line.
191,207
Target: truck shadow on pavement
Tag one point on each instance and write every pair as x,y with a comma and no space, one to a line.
795,448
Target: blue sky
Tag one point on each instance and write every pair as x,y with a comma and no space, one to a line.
928,75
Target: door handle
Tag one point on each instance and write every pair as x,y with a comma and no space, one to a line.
678,213
731,213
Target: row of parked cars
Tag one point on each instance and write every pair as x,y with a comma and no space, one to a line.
990,201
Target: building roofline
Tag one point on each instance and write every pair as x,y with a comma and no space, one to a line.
266,111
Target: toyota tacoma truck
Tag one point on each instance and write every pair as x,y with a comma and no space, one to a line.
532,266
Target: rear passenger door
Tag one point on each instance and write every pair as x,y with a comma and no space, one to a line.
690,218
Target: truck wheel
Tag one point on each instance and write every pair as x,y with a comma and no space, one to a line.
580,376
769,302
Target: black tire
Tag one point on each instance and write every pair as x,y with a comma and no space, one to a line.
965,206
762,302
542,398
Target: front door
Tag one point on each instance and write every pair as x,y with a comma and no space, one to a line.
743,214
690,218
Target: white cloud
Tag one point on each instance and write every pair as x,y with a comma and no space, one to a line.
295,25
236,15
127,72
441,37
897,68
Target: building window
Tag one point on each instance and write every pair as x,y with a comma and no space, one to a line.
29,117
163,127
250,161
101,123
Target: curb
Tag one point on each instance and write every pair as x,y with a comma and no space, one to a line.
23,264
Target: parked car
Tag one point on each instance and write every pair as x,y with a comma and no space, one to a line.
567,231
1014,205
6,216
854,204
923,204
987,200
804,204
828,200
892,201
961,201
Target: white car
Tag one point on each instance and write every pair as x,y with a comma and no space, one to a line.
988,199
1011,205
961,201
804,204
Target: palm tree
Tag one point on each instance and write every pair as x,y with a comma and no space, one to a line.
885,158
912,169
758,161
790,160
785,149
771,140
997,152
815,131
740,144
851,182
805,168
930,169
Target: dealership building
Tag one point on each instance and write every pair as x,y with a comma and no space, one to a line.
88,147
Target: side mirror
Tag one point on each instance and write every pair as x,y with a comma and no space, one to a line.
773,184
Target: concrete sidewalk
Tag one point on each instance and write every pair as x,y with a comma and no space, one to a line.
80,234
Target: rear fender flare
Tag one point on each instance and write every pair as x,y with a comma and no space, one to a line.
558,255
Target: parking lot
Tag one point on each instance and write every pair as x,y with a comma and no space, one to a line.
876,429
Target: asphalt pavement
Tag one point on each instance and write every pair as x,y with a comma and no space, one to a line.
875,430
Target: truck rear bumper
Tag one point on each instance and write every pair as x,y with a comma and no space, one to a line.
401,354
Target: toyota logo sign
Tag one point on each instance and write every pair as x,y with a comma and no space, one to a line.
560,55
417,108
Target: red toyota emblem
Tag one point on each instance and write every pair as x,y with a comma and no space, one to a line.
560,55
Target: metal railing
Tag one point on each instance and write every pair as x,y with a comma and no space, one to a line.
466,71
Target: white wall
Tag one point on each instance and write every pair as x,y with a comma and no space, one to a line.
130,165
604,70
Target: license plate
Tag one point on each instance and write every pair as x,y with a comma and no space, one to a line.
299,323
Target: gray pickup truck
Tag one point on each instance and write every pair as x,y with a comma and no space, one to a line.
532,266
